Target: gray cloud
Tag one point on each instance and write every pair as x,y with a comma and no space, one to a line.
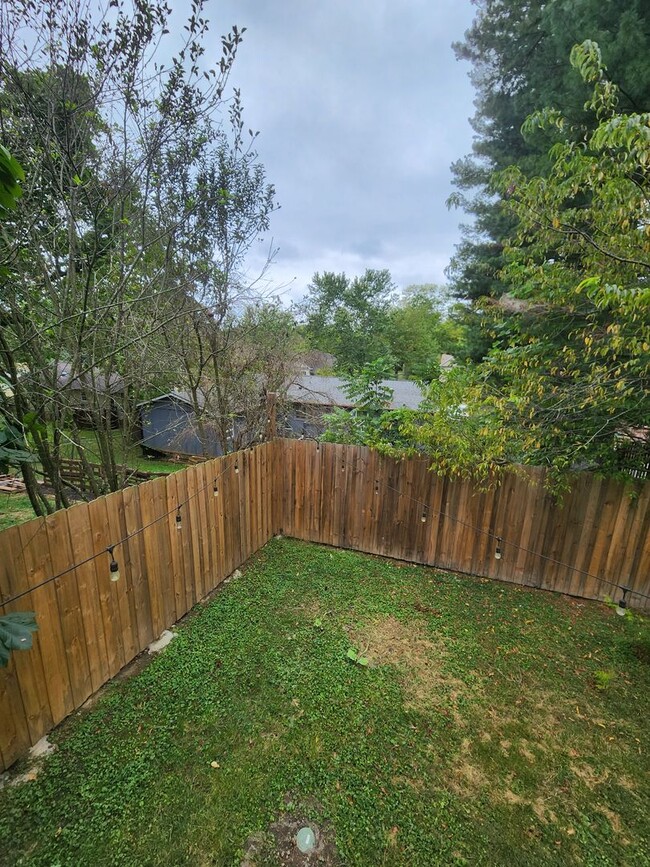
361,108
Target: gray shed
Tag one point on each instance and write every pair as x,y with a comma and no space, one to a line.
168,426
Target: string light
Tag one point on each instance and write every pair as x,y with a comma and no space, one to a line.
236,467
376,486
114,567
179,520
424,515
622,602
215,489
497,550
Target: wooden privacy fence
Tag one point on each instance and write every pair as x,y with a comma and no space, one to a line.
90,627
350,497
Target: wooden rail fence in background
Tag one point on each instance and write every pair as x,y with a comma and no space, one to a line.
349,497
74,472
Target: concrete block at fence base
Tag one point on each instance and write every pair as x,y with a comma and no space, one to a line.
162,642
236,574
41,748
39,751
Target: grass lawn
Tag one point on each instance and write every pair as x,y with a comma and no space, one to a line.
126,453
14,509
492,726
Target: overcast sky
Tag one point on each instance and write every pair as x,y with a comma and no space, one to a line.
361,107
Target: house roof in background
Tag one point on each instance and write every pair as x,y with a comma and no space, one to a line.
316,391
329,391
94,380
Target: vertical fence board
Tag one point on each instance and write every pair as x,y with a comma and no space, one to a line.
176,540
121,597
36,554
219,523
137,567
24,706
101,539
200,513
151,536
61,555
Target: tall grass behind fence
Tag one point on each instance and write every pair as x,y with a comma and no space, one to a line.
90,627
352,497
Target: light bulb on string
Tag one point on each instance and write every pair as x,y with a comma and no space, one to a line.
215,489
376,486
424,515
497,550
621,606
236,467
114,569
179,520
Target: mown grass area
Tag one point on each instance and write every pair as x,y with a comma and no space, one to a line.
482,732
126,453
14,509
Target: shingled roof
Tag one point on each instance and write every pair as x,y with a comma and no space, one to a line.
329,391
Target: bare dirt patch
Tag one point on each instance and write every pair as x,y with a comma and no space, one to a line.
512,798
419,660
525,752
543,811
278,843
614,820
311,608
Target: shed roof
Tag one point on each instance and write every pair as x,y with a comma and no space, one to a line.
176,397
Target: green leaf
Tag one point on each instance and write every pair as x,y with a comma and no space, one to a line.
352,654
16,633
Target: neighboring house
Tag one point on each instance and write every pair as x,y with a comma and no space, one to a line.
309,398
314,360
168,426
633,447
90,393
168,422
